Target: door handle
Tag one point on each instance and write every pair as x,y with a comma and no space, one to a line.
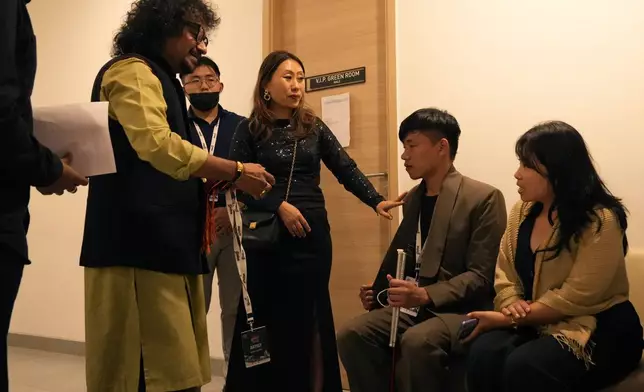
384,175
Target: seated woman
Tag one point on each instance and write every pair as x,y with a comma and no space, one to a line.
562,319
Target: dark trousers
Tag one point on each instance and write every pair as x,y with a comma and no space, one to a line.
11,267
426,346
523,360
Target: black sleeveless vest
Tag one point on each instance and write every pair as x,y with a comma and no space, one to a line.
140,217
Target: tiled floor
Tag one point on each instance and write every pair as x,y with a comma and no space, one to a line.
39,371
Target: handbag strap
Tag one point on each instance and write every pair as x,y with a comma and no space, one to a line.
290,176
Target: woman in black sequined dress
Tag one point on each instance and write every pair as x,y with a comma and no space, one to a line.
288,286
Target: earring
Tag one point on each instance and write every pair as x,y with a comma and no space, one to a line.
267,96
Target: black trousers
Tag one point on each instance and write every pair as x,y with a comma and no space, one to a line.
522,360
11,267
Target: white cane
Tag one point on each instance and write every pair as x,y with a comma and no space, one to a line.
400,270
395,314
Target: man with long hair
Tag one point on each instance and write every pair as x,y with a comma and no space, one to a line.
147,225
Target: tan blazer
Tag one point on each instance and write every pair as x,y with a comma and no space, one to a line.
460,252
579,283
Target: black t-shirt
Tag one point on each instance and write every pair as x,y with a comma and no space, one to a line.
426,214
524,258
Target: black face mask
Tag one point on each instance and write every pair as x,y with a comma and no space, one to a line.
204,101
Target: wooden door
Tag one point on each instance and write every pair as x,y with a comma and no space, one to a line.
337,35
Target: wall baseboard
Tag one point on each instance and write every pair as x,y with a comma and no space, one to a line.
70,347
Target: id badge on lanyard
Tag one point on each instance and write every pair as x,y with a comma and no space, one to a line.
413,312
211,149
255,340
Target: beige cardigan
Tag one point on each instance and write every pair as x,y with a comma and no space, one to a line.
579,283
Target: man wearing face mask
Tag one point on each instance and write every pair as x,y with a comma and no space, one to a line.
214,127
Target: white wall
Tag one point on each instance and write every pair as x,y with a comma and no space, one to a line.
50,301
501,66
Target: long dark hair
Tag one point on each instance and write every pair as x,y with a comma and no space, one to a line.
149,23
577,187
261,117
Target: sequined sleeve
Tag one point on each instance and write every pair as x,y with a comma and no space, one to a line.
242,150
344,168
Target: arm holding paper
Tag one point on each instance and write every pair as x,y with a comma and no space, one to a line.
68,181
22,158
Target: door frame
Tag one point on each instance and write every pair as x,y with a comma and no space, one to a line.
271,9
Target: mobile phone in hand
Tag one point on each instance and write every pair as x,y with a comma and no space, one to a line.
466,328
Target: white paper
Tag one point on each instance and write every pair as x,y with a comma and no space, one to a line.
80,129
336,115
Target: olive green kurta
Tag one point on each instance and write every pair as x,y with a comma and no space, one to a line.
132,314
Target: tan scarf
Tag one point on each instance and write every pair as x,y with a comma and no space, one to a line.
557,285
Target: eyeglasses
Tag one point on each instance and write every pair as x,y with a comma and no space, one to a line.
210,81
196,30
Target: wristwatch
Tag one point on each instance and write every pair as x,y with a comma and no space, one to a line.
238,172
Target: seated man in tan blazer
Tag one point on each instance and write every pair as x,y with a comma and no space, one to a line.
452,226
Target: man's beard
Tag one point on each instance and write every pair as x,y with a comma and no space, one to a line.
186,66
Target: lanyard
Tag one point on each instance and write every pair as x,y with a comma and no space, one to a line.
215,130
240,255
211,150
417,250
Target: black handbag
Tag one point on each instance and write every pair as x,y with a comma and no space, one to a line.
261,228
